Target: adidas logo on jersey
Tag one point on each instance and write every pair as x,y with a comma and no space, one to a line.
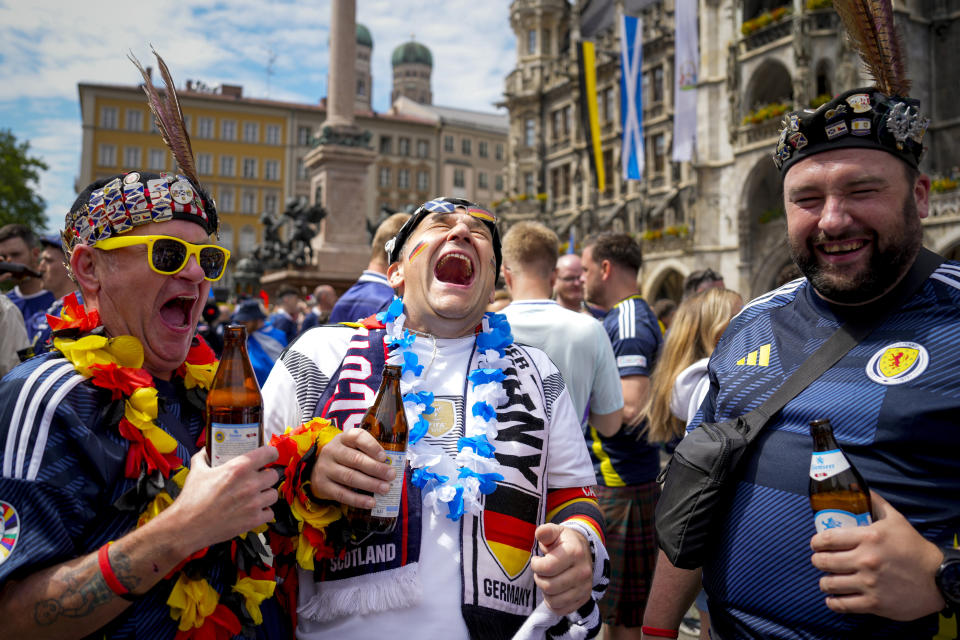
758,358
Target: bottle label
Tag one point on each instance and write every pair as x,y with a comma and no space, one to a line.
835,518
388,506
825,464
227,441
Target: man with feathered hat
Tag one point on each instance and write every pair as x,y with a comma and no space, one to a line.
854,200
105,493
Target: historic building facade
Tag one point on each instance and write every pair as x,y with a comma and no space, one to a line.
758,58
250,152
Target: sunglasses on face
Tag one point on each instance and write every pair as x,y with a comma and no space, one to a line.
167,255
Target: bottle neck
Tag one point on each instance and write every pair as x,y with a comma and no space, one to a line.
823,439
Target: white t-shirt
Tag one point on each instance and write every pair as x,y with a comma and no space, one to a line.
689,390
315,358
579,347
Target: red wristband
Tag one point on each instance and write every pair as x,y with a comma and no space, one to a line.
103,558
659,633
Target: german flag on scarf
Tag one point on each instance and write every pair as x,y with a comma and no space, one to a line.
587,62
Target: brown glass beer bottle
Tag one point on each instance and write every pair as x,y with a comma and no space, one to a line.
234,403
386,422
838,495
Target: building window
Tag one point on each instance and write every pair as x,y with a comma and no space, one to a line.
528,183
458,180
498,151
609,105
134,120
546,42
273,134
423,180
532,41
423,148
270,203
498,183
386,145
248,202
448,144
659,152
403,146
482,180
226,232
228,129
465,145
608,170
249,167
248,239
251,132
482,150
361,88
157,160
227,166
271,170
303,136
225,201
205,164
403,178
529,131
107,157
653,80
108,117
186,123
301,169
384,177
205,128
131,157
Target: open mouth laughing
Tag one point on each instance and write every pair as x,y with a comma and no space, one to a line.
177,312
454,268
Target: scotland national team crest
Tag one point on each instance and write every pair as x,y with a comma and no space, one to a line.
898,363
9,529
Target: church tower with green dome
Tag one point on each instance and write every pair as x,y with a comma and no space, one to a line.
412,66
364,93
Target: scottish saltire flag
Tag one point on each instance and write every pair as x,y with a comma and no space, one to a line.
572,240
631,97
685,71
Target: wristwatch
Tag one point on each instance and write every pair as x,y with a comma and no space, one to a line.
948,578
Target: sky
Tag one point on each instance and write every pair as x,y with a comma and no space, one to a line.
47,47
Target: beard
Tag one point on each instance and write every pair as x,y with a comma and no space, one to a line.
887,264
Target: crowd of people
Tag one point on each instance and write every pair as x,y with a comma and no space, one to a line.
541,421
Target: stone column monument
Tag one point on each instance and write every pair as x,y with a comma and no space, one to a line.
338,164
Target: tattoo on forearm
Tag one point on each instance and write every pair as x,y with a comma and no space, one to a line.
84,589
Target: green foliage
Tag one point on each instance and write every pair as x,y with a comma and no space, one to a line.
765,19
19,174
813,5
942,185
766,112
820,100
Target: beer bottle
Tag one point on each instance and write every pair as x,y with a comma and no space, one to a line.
234,403
838,495
386,422
19,271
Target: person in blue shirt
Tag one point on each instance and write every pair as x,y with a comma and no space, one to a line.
625,463
287,313
372,292
854,200
265,342
19,244
56,279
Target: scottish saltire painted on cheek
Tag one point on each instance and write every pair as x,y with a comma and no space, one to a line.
417,250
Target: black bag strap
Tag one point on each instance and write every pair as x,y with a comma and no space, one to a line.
838,344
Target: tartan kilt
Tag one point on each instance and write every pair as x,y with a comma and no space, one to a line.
632,545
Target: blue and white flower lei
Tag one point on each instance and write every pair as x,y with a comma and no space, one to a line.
452,487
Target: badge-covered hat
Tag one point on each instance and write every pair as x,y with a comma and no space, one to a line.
114,205
860,118
443,205
879,117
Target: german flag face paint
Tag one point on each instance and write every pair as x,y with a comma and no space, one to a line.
417,250
482,214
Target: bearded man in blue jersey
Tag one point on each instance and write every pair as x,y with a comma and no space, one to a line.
854,201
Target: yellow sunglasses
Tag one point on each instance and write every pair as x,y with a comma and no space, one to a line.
168,255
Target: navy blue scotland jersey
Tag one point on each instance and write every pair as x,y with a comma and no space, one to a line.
894,403
63,469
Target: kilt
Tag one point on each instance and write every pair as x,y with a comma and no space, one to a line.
632,545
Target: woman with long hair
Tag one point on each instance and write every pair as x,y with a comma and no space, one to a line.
679,382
